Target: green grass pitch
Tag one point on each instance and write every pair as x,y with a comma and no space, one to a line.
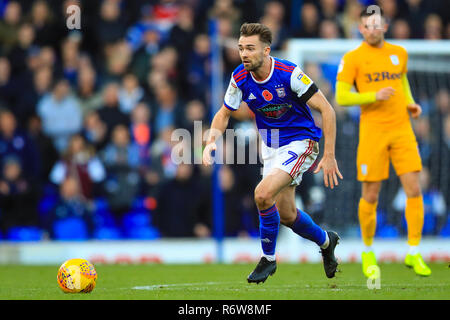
227,282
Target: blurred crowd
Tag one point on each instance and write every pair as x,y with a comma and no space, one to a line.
87,116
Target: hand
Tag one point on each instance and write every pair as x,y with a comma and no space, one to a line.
415,109
4,188
384,93
207,159
330,171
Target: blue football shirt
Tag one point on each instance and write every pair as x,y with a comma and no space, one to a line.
278,102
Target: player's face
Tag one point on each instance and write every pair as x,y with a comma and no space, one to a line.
373,29
252,52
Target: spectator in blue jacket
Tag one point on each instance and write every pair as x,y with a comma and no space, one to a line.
61,114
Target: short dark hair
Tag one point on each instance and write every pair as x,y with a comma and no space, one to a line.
251,29
368,11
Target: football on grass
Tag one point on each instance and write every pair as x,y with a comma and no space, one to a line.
77,275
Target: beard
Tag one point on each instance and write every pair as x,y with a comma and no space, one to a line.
254,66
375,41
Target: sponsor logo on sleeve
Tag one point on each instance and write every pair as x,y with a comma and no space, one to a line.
305,79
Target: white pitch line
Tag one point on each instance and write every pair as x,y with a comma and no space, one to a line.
171,285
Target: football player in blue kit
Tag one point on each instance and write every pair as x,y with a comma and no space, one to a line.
279,93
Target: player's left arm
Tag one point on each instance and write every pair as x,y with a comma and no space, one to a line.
414,108
328,162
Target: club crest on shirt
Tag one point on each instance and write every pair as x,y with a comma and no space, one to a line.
341,66
394,59
281,92
364,169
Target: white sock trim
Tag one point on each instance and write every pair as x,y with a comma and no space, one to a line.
413,250
327,241
269,257
368,249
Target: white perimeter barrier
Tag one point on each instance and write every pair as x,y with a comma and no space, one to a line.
205,251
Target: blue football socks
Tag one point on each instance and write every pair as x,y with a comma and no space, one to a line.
269,224
305,227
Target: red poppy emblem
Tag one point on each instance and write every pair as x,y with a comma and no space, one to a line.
267,95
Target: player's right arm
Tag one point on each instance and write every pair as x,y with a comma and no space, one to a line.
218,126
345,97
231,103
345,79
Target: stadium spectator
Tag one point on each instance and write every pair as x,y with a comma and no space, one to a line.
168,107
140,130
349,19
28,100
110,113
142,58
417,11
224,28
181,37
164,13
181,218
60,113
440,107
226,10
130,93
47,154
110,27
390,9
9,26
153,78
95,130
146,32
18,195
166,62
117,57
199,70
8,87
80,163
42,19
71,204
401,30
447,132
329,29
121,159
237,219
273,17
310,22
89,97
19,53
161,153
433,28
329,9
47,57
446,150
70,55
15,142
